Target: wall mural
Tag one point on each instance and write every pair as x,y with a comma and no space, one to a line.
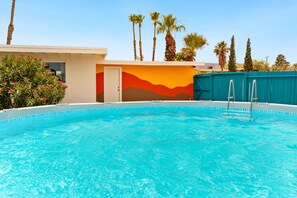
151,83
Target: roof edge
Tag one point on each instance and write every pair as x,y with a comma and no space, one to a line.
52,49
150,63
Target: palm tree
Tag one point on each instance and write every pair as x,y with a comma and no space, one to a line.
168,25
10,26
155,19
139,20
192,43
221,51
133,19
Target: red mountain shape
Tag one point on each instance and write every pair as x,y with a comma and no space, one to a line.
131,81
99,83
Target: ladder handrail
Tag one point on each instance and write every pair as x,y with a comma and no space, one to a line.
231,86
254,94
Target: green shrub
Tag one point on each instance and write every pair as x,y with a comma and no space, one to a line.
25,82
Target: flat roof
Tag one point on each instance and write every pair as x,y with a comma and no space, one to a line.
149,63
52,49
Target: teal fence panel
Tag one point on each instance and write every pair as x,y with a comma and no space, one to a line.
202,87
220,87
273,87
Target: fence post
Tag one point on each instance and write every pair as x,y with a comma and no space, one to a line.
211,87
270,90
245,86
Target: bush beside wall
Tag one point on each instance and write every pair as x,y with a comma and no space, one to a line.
25,82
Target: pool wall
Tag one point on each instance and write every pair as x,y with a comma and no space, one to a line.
30,111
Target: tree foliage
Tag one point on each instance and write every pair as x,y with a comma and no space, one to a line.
193,42
232,57
185,54
294,67
248,61
260,65
25,82
168,25
221,51
281,64
180,56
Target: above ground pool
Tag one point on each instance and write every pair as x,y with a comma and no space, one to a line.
147,150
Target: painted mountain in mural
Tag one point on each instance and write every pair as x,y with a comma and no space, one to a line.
99,83
99,87
138,89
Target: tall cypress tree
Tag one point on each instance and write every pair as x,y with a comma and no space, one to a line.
232,57
248,62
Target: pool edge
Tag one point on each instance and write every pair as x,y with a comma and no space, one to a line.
27,111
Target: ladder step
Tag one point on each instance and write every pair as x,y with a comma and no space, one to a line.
236,111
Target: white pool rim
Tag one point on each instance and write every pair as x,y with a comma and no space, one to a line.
20,112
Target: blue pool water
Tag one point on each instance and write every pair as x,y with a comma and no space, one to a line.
149,152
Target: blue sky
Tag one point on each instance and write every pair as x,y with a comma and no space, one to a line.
271,25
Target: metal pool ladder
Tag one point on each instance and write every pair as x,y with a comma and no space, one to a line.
254,94
231,88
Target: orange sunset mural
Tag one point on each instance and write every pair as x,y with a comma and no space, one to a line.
151,83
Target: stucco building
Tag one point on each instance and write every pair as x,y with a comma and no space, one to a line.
91,78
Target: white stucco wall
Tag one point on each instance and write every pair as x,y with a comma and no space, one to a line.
80,75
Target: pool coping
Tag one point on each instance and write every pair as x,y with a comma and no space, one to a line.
27,111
